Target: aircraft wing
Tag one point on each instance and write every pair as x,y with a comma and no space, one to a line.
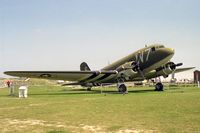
61,75
183,69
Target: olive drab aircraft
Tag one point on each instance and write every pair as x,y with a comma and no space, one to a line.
145,64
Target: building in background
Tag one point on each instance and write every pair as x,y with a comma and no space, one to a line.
196,76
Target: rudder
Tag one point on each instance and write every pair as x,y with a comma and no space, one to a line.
84,67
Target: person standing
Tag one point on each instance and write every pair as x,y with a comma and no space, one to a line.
8,83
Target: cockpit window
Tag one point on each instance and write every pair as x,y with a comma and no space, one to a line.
161,46
153,49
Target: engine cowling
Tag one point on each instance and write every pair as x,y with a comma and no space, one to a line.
167,69
128,65
164,72
127,70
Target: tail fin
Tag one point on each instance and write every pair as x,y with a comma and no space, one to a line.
84,67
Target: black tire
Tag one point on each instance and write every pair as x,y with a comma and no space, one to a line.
122,88
159,87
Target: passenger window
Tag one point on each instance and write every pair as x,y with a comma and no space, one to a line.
153,49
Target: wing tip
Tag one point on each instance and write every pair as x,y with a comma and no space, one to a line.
6,72
191,68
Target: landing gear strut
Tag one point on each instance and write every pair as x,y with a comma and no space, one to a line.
120,85
159,86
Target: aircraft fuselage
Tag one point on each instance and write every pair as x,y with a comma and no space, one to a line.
148,58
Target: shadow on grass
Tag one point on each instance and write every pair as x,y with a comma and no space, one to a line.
174,88
109,91
84,92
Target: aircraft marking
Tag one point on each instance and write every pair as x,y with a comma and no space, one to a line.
90,77
148,53
103,77
140,56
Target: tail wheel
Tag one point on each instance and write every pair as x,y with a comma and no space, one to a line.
159,87
122,88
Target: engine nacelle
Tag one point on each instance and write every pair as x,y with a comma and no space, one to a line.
128,71
165,72
167,69
127,74
128,65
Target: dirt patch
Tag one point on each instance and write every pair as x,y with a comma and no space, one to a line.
33,122
19,125
93,129
135,131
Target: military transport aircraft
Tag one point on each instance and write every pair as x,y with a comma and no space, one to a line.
147,63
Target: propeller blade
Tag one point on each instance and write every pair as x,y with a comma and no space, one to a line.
173,66
179,64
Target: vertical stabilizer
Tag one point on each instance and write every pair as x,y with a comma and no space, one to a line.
84,67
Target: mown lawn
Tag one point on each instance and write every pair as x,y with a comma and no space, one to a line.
55,109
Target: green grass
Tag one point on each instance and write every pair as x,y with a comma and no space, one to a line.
55,109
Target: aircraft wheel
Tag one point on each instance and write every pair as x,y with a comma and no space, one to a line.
122,88
159,87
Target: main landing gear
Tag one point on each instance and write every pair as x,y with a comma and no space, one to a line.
122,88
159,86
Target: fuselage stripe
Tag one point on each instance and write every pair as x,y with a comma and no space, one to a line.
103,77
89,78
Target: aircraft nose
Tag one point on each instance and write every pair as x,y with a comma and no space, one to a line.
169,51
166,53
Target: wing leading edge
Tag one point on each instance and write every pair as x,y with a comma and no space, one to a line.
61,75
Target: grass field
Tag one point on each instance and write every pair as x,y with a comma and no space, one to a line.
55,109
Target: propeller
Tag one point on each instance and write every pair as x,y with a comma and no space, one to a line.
173,65
133,66
136,68
179,64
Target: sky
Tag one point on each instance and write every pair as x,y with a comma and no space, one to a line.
60,34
